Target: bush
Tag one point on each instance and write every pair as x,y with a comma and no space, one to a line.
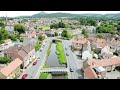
99,36
4,60
21,39
37,46
56,34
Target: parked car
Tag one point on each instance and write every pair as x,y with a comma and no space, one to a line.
65,48
35,62
24,76
38,58
40,49
71,70
67,54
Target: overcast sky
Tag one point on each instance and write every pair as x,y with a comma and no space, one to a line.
24,13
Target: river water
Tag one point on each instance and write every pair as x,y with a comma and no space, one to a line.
54,62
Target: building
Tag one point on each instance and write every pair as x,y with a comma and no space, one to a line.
7,43
26,53
50,33
10,29
97,69
29,34
106,52
86,51
78,43
11,70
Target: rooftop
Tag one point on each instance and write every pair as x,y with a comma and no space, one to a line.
11,67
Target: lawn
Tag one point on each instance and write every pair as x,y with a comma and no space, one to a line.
45,76
60,53
44,27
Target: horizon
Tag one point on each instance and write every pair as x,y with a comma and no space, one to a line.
29,13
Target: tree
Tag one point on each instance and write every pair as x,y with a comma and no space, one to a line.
19,28
57,25
2,25
83,31
3,34
21,39
41,38
85,35
99,36
4,60
68,35
61,25
13,37
105,28
56,34
64,32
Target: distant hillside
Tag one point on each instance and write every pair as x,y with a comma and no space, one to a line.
54,15
68,15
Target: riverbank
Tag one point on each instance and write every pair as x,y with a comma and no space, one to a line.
60,53
48,51
45,76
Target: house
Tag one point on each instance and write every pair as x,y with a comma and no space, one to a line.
26,53
106,52
78,43
99,67
7,43
10,29
11,70
29,34
86,51
50,33
98,43
39,32
89,73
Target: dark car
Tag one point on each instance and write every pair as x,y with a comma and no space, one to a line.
65,48
38,58
67,54
35,62
71,70
24,76
40,49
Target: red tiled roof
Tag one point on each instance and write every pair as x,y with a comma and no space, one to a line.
90,73
11,67
104,62
80,41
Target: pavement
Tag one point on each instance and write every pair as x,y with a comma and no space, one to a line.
33,71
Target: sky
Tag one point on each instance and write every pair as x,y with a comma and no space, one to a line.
28,13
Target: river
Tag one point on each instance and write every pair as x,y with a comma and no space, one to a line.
54,62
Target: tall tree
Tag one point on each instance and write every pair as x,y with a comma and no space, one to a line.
19,28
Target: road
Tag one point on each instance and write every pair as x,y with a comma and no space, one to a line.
72,62
34,70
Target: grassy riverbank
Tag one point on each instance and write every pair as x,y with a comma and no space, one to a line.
48,51
45,76
60,53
